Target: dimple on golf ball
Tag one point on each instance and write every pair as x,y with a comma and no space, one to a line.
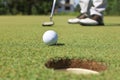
50,37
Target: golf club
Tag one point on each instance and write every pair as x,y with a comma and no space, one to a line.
50,23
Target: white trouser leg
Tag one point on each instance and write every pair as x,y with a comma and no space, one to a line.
84,5
98,7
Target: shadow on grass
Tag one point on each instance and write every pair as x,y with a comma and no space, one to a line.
58,44
113,25
106,25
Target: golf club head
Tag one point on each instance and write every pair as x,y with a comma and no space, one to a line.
48,23
51,16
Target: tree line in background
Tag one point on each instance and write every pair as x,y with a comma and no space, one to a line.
35,7
25,7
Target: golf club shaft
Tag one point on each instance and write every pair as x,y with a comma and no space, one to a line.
52,11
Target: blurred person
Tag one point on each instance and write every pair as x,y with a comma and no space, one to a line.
91,12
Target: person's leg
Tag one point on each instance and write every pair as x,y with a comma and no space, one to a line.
96,13
84,6
98,7
83,10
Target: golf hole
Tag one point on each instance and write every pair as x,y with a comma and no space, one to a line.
77,66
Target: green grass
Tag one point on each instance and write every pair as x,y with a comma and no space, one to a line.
23,54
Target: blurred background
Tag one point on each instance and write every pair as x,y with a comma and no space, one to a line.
43,7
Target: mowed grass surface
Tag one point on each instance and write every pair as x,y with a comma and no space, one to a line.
23,54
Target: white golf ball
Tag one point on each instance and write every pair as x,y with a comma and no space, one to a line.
50,37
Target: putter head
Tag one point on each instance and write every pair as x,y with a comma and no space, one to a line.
48,23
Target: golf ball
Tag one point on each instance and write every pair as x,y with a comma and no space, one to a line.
50,37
